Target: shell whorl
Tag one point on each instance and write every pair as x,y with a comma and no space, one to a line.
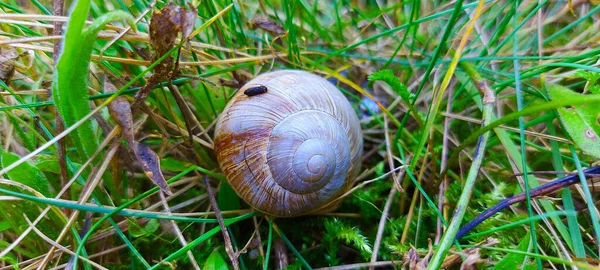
292,149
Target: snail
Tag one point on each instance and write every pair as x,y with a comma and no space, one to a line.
289,143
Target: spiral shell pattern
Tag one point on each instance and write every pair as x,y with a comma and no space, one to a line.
290,150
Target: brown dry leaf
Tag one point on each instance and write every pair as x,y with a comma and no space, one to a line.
456,258
120,111
167,23
412,260
268,25
151,165
473,258
188,19
8,57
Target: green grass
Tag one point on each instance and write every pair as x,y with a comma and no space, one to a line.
446,83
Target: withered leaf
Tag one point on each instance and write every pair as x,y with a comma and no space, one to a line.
472,260
412,260
268,25
188,19
167,23
151,165
8,56
120,112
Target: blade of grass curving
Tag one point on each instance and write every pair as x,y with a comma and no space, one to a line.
136,199
291,247
69,88
269,242
458,6
11,7
514,154
521,222
543,68
519,94
515,115
572,222
80,180
293,52
588,197
128,90
577,264
570,26
468,187
465,197
105,210
41,7
212,232
432,112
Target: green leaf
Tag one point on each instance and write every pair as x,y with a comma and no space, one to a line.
514,260
581,122
174,165
228,199
589,76
26,174
50,164
215,261
69,87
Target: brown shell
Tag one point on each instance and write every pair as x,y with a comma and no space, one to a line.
292,149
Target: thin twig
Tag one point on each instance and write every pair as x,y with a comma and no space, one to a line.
233,256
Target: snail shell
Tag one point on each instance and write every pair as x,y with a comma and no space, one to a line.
290,150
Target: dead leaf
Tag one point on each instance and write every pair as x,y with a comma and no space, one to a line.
412,260
455,257
473,258
167,23
151,165
268,25
120,111
8,57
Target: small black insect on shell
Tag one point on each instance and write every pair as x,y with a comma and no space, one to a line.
255,90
